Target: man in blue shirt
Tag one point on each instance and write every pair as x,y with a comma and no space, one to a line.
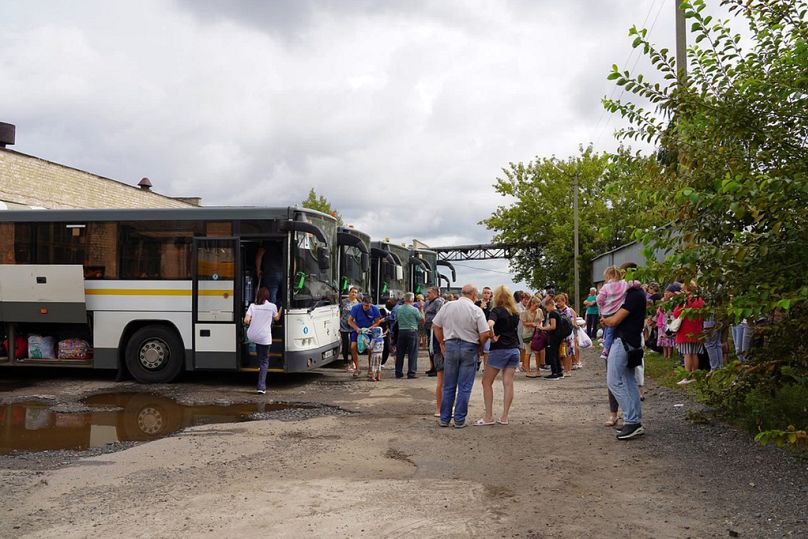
363,318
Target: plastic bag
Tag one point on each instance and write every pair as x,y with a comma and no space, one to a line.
362,343
41,347
583,340
75,349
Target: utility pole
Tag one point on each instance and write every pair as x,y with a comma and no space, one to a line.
574,232
575,240
681,41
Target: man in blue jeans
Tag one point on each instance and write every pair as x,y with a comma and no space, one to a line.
628,322
408,318
461,330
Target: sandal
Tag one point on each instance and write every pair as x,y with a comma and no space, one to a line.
501,422
612,421
531,376
482,422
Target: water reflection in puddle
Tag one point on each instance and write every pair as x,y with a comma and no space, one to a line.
112,417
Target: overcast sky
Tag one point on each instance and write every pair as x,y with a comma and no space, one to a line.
402,113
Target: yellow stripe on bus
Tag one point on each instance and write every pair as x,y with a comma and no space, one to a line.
150,292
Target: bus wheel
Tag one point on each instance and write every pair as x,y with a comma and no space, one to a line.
154,355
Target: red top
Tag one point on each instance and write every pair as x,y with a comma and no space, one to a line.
693,324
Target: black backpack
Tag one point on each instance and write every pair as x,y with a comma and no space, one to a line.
564,328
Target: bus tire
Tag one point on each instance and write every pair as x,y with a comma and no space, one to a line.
154,355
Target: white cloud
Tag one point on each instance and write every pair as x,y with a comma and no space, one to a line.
401,113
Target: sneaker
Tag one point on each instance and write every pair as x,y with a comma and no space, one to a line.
262,391
433,373
554,376
460,425
545,367
411,377
442,424
630,430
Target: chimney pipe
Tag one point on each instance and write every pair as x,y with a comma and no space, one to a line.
7,134
145,184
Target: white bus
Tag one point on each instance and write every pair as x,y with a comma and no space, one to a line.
156,292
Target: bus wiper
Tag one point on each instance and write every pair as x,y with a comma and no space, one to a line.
320,303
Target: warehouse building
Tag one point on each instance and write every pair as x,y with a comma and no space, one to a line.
31,182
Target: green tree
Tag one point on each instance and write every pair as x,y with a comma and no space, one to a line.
320,203
732,185
540,218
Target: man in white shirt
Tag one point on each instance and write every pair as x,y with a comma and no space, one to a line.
461,330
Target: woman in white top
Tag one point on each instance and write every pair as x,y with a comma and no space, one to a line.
259,317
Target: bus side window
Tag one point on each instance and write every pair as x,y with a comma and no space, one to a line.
15,243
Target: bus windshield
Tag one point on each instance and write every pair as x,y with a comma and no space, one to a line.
313,279
395,276
351,271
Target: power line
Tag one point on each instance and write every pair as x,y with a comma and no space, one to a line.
481,269
634,66
628,58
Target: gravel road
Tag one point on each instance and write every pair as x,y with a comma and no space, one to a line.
368,460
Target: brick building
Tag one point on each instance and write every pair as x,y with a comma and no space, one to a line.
27,181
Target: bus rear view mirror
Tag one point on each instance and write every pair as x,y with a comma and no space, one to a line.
399,272
323,260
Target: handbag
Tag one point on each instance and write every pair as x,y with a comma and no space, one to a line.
673,326
539,341
635,355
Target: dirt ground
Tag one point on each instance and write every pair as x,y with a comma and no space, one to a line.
388,470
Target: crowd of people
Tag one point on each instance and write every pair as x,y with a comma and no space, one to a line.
538,334
503,333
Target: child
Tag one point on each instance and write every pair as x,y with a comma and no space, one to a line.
610,298
376,350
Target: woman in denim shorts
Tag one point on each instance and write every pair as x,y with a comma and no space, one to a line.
503,356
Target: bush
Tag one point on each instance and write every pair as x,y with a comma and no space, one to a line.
787,406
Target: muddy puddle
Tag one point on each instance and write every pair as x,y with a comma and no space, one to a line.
104,419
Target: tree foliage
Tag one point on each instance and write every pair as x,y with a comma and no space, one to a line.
320,203
540,216
732,185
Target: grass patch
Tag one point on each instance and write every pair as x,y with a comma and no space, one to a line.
661,370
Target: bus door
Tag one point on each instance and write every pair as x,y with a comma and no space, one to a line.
214,303
253,251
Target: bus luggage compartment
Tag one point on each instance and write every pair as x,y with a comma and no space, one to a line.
42,293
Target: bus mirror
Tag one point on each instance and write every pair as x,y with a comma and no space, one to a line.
399,272
365,262
300,280
322,260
